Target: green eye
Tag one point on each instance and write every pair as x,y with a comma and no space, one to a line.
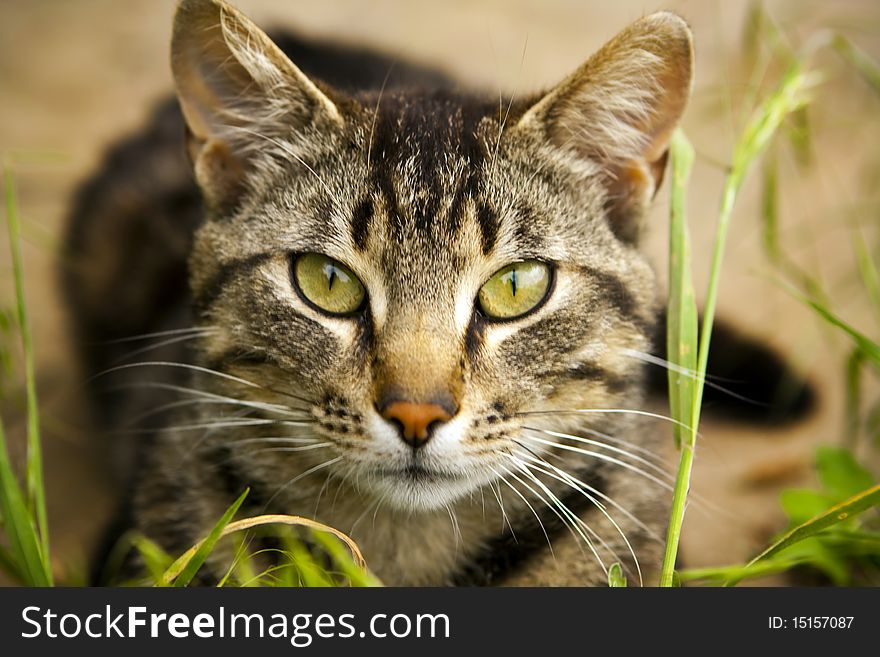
515,290
328,284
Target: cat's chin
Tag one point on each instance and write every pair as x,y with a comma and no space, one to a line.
415,488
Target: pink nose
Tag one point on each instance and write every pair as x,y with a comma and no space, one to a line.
415,420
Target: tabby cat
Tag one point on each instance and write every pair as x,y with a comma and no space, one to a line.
408,315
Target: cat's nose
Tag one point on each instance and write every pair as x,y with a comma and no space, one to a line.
415,420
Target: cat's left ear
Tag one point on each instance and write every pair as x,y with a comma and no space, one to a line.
619,110
244,101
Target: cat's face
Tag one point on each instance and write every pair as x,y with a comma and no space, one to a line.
421,284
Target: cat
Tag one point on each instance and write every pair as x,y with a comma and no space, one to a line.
383,303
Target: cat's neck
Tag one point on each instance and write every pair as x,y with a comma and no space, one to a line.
418,548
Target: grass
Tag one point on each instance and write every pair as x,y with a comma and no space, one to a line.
686,390
304,557
787,100
686,351
320,556
23,514
827,531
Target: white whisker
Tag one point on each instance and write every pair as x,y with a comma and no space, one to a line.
595,491
365,512
376,113
304,448
629,444
159,345
321,493
219,402
275,439
569,519
531,508
601,445
565,478
509,105
300,476
456,530
504,518
687,372
217,424
287,150
195,368
601,457
160,334
626,411
185,366
266,406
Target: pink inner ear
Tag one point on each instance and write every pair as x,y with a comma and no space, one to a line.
658,168
626,102
219,172
667,111
238,91
630,188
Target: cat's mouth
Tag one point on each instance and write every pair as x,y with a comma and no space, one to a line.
419,484
418,473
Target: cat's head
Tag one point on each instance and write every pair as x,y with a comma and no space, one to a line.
422,274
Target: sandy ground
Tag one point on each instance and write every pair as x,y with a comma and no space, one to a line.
76,75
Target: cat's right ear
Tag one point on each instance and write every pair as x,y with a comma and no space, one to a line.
617,112
242,98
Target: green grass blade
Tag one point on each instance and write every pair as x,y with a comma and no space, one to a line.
193,560
283,575
840,474
681,341
35,488
24,541
770,211
872,423
852,416
287,575
155,558
241,568
7,326
681,318
838,513
616,578
855,538
799,135
860,60
311,573
246,524
868,347
867,270
357,576
787,97
113,565
9,566
738,572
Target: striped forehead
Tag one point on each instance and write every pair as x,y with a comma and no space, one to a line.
426,159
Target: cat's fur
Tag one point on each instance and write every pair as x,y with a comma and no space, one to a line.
424,193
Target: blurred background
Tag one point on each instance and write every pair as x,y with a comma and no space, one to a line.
75,75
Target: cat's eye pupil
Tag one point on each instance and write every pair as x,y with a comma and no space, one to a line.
331,273
328,284
515,290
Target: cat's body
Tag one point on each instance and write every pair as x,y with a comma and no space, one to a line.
416,422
